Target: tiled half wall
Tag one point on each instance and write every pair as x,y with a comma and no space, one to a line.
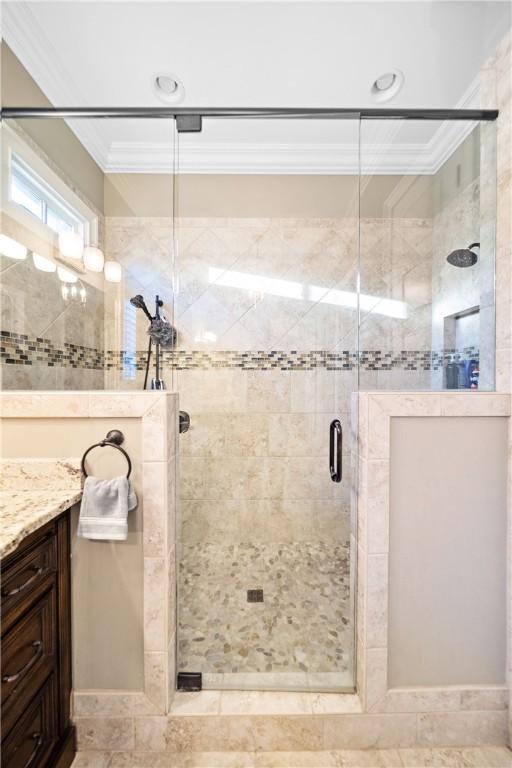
140,571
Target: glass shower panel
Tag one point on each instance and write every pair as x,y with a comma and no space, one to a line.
266,359
67,186
428,211
139,235
51,313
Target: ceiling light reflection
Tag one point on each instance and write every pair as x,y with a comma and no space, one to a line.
256,283
205,337
314,293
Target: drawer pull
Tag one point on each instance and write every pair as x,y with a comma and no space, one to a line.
38,738
37,571
38,645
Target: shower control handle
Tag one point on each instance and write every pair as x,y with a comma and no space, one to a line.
335,453
184,422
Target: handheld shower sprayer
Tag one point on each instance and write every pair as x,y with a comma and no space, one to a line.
161,333
138,301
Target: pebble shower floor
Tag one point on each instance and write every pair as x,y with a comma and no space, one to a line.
302,626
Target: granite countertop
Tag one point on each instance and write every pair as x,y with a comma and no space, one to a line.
33,492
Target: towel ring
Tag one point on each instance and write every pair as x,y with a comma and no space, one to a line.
113,439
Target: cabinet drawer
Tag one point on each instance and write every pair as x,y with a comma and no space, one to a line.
28,656
35,734
24,575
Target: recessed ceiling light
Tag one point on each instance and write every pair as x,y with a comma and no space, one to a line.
387,85
168,88
166,84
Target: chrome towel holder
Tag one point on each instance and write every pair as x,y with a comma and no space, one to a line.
113,439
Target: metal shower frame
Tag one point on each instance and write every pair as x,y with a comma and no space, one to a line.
189,119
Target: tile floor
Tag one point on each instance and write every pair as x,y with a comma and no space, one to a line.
476,757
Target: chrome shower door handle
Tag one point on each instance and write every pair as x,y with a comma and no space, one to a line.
335,454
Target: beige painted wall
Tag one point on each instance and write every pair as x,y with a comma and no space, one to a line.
295,196
55,138
264,195
447,572
107,576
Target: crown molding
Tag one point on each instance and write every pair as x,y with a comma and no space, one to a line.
26,39
308,158
232,157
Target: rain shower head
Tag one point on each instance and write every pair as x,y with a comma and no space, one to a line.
138,301
463,257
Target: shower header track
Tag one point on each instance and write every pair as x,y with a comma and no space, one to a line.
190,119
327,113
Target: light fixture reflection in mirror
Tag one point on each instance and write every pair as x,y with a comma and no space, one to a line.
71,245
66,276
113,272
12,249
93,258
73,292
42,263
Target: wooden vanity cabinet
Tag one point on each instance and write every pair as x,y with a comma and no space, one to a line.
36,730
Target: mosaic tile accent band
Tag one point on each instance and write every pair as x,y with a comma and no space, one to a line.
20,349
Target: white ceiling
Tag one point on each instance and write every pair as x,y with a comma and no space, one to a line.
231,54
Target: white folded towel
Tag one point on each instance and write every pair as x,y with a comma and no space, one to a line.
104,508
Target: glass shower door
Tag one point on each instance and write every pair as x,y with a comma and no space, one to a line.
266,309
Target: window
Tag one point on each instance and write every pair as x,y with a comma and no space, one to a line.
130,343
34,195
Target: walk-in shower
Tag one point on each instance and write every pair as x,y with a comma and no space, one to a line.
303,255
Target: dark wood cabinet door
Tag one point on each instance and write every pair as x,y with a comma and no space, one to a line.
34,737
27,572
28,656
